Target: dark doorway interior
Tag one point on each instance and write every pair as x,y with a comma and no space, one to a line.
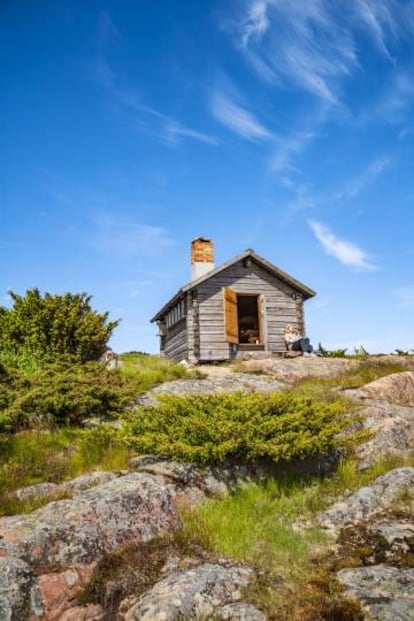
248,318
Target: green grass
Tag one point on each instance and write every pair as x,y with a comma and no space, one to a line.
255,524
259,522
40,456
272,525
147,371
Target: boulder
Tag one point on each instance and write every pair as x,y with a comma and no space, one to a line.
91,612
62,541
396,388
18,591
71,488
196,593
234,382
387,593
122,512
195,484
239,612
392,428
293,371
366,501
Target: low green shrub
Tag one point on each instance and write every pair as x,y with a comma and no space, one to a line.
212,428
60,394
66,392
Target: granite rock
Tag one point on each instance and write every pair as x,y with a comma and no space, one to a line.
196,593
386,593
366,501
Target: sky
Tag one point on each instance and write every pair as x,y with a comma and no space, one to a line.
128,128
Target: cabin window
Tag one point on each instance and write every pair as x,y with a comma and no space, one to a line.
178,312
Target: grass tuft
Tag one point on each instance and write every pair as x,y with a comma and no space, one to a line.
40,456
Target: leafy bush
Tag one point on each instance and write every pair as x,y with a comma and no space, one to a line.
43,328
60,394
211,428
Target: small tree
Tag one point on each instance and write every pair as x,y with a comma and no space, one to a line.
39,329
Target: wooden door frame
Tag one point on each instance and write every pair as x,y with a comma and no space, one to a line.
259,303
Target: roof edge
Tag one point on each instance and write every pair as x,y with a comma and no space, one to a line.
296,284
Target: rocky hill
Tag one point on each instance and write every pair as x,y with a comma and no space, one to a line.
113,545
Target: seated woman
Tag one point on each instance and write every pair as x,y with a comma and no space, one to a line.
295,341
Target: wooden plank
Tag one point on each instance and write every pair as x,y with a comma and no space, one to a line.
230,315
277,305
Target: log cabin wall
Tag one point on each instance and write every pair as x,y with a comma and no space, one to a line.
176,341
279,308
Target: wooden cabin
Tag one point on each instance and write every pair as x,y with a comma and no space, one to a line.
234,310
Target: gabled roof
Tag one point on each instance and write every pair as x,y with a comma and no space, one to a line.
295,284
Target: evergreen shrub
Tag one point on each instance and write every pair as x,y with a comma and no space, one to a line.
43,328
212,428
61,393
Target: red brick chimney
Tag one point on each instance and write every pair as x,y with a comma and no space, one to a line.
202,257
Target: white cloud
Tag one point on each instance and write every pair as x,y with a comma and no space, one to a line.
303,45
129,105
345,252
289,147
357,184
313,44
123,236
134,112
256,22
398,98
175,130
303,199
238,119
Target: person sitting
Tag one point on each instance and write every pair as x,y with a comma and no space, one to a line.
296,342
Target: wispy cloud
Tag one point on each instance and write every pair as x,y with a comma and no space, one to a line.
139,115
299,42
305,197
238,119
129,105
345,252
354,186
256,21
107,32
313,44
288,148
398,98
123,236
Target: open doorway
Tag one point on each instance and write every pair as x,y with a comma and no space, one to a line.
248,317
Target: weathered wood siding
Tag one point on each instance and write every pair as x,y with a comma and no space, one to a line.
279,308
176,341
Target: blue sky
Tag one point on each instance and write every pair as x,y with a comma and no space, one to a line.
128,128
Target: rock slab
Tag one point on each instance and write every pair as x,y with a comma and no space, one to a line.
386,592
395,388
234,382
203,592
368,500
61,542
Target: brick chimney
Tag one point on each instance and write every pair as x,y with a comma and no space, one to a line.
202,257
